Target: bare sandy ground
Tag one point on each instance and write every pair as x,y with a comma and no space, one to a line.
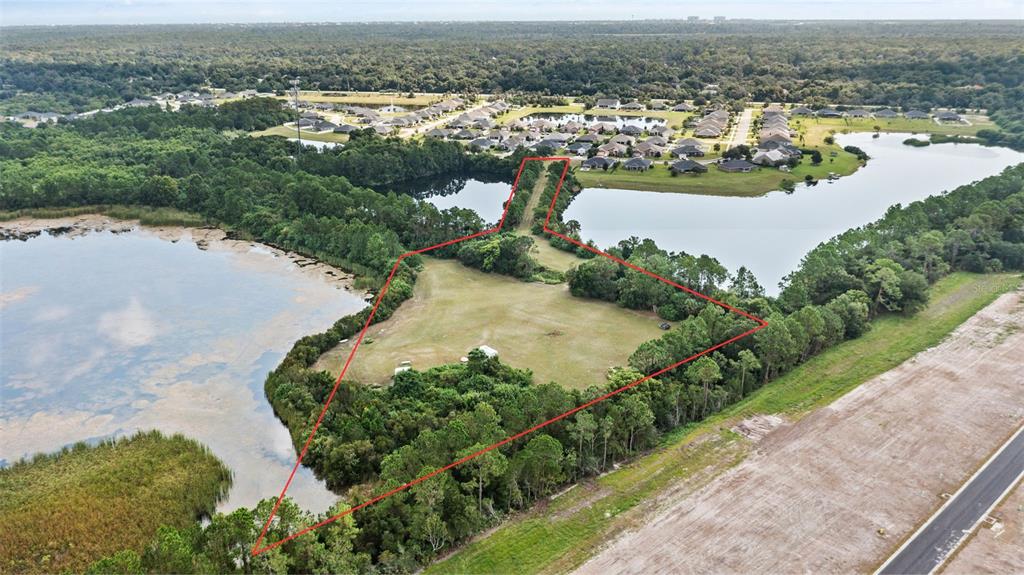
998,547
212,239
837,491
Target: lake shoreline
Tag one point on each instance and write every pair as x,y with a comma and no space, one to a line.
204,238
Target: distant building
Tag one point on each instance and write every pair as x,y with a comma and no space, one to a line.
688,166
736,166
608,103
637,164
598,163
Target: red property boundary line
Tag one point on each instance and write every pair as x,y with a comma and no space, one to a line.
761,324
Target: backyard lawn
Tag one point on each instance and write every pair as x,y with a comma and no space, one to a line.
569,340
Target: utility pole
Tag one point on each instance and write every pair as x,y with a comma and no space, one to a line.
298,117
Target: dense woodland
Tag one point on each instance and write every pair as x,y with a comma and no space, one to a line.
374,439
329,205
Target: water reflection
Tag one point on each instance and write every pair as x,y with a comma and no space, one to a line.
486,198
770,234
106,334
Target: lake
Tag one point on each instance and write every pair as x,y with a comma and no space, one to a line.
588,119
318,145
770,234
487,199
107,333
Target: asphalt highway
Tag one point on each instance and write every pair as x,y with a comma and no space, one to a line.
929,547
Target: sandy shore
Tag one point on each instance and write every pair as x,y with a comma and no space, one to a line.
211,239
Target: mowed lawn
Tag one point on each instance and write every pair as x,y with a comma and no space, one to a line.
569,340
559,535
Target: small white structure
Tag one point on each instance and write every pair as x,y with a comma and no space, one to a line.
399,370
488,350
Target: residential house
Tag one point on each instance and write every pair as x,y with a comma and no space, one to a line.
648,149
688,166
708,132
573,126
598,162
947,116
769,158
623,139
734,166
829,113
917,115
548,143
683,107
885,113
634,105
437,133
801,111
689,142
482,143
579,148
688,152
590,138
512,144
859,113
663,131
631,130
608,103
613,149
637,164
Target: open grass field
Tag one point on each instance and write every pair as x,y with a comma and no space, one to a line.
553,258
814,130
560,536
568,340
289,132
62,512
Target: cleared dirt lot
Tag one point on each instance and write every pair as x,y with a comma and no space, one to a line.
838,490
995,548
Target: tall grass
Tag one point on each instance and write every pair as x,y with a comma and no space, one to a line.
62,511
146,215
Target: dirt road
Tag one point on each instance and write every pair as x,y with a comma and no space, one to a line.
838,490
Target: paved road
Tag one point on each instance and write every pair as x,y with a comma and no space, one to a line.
942,534
739,135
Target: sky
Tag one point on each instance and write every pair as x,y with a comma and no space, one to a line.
31,12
